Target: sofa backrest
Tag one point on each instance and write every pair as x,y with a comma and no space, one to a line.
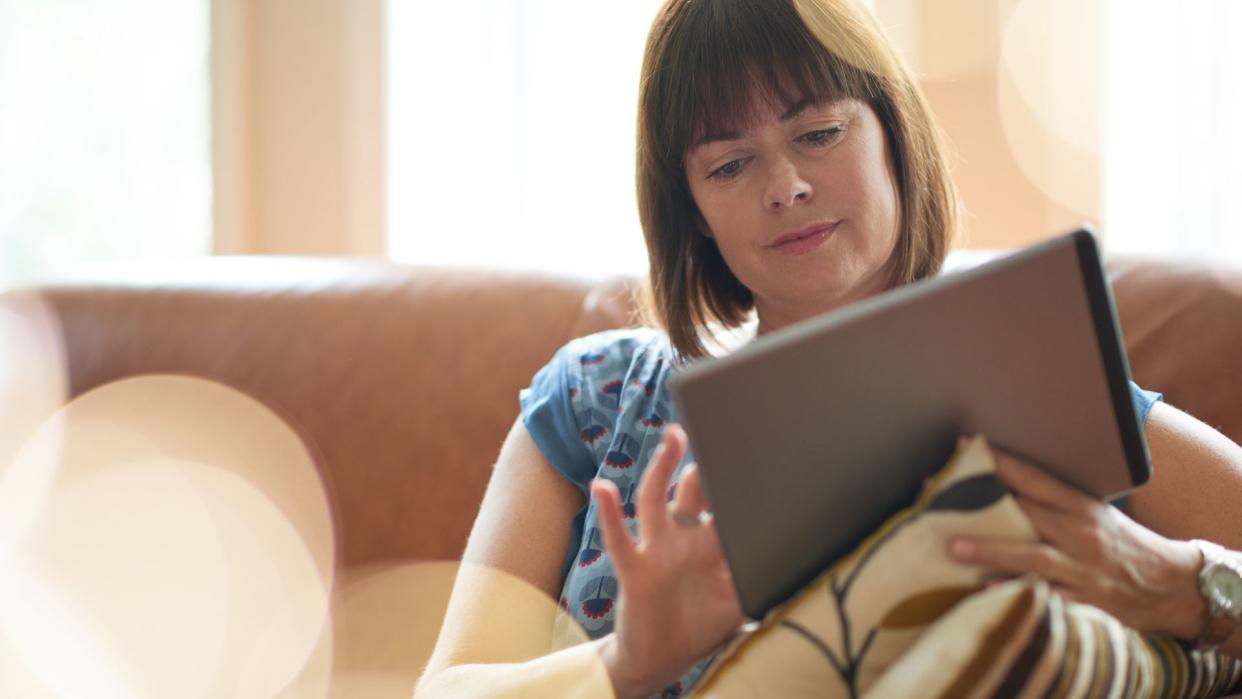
403,380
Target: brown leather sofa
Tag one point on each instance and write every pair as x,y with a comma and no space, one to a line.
403,380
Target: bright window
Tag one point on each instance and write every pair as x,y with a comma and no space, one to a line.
104,133
511,133
1173,149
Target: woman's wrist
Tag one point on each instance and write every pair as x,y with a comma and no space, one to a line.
625,683
1184,610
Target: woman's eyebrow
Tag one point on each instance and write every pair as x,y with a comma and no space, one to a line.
808,102
801,106
791,113
714,137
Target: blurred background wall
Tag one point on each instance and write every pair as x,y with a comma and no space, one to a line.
500,132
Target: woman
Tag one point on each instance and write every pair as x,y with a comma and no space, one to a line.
787,166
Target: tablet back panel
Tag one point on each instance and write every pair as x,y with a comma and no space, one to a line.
811,437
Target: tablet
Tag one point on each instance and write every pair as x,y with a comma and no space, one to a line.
810,437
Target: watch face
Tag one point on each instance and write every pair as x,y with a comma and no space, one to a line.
1226,586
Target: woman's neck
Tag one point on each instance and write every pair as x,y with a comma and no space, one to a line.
771,320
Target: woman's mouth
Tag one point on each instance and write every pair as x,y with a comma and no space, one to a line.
804,240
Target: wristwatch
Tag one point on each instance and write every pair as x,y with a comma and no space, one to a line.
1220,583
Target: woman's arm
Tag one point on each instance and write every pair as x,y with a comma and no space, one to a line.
1138,566
1196,487
676,598
1195,491
497,630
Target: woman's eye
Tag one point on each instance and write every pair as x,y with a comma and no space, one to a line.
821,137
727,171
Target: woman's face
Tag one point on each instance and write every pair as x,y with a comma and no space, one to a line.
802,205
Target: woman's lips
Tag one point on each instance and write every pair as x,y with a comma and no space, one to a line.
803,241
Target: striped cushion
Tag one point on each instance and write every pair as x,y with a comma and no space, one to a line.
1023,640
898,618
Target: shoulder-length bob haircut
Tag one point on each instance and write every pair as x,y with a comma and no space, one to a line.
705,62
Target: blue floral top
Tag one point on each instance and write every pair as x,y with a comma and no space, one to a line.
597,410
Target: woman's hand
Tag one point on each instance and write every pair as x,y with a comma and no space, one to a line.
1093,553
677,601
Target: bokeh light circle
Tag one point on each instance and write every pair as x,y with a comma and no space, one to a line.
1049,98
182,546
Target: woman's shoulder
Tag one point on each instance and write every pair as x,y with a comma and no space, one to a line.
590,373
594,395
618,348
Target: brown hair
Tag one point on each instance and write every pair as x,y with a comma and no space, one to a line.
702,63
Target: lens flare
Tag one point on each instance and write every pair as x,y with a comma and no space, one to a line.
182,545
387,621
1049,95
32,387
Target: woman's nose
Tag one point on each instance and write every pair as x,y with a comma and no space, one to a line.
786,186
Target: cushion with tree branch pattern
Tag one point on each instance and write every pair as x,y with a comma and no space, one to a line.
897,617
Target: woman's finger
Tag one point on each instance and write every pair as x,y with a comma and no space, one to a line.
690,498
653,488
1017,558
1030,481
1055,526
617,541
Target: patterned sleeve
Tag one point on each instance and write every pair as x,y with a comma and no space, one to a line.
549,416
1143,401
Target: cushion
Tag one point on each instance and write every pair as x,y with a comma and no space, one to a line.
1023,640
897,617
